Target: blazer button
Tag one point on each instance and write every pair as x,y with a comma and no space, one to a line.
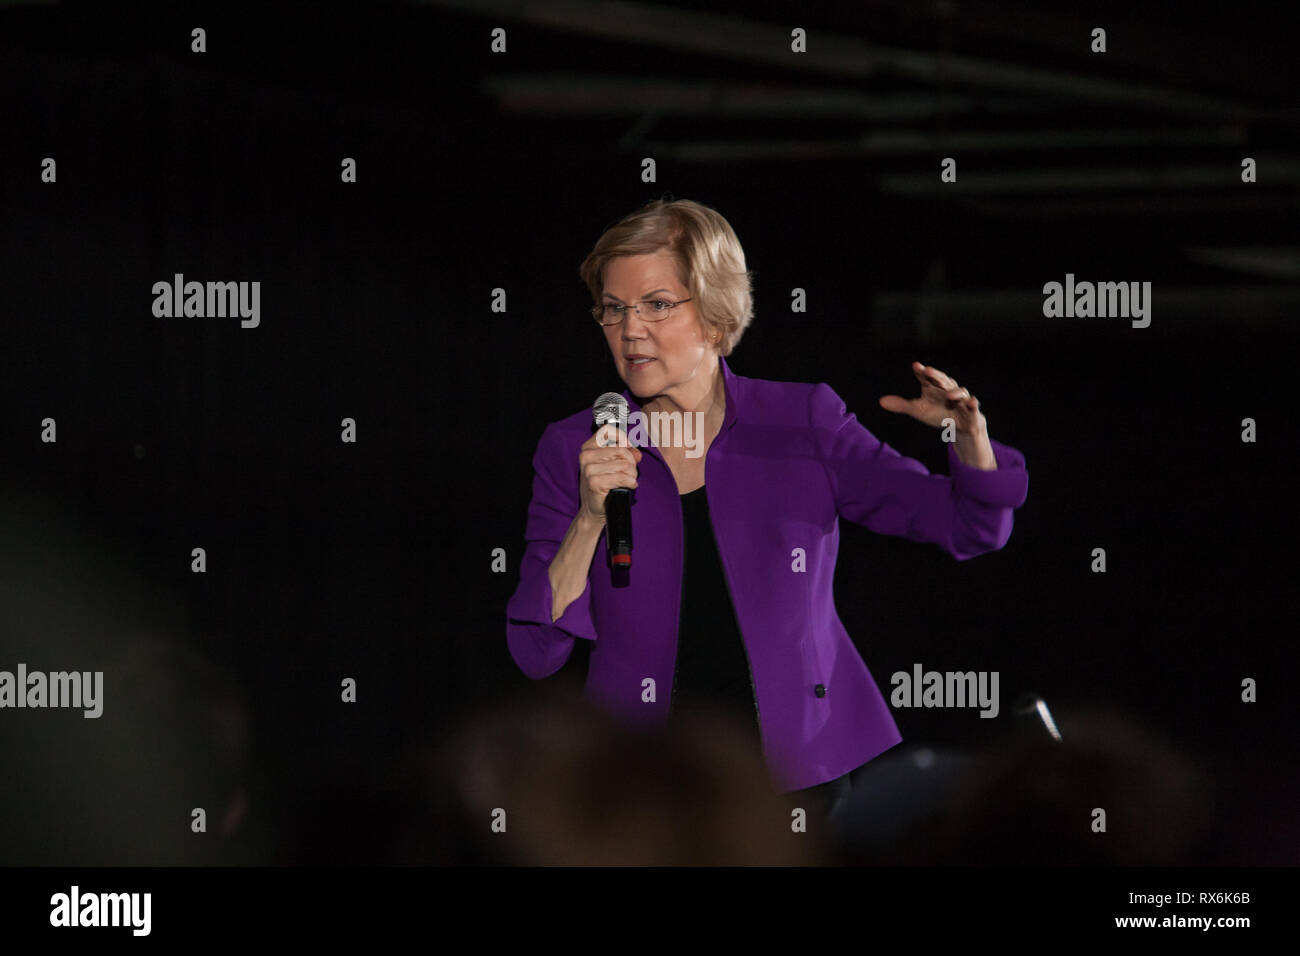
820,690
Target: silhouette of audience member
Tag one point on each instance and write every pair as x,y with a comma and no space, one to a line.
1038,801
577,789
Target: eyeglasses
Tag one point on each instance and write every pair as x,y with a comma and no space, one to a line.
656,310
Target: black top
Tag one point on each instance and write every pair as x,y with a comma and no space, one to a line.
712,667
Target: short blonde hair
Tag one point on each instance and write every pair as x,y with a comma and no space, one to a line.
710,261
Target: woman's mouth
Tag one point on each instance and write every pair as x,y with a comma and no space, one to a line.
639,362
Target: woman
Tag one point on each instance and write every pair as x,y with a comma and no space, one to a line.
730,603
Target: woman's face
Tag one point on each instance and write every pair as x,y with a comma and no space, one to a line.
680,355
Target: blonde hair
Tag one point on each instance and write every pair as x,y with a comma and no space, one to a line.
710,261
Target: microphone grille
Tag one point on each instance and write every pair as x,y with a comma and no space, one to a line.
610,407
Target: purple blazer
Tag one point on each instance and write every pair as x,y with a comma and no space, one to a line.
788,463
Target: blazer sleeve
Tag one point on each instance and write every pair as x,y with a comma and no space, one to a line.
537,645
967,513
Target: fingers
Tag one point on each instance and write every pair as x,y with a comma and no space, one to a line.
606,436
621,456
962,401
599,480
600,470
607,443
620,471
956,396
968,414
929,375
953,392
604,485
605,467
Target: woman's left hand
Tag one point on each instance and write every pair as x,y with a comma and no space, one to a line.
941,398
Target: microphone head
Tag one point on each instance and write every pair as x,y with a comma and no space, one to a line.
610,408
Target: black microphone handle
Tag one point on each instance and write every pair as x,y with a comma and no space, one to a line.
618,527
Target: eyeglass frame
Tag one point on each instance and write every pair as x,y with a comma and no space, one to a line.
598,310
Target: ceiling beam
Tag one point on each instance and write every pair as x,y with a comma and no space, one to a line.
748,40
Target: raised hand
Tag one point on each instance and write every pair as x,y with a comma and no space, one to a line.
941,397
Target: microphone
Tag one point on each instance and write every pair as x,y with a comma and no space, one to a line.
611,408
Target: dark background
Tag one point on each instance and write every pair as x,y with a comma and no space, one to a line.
479,170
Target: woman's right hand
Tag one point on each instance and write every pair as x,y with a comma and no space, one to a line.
605,462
